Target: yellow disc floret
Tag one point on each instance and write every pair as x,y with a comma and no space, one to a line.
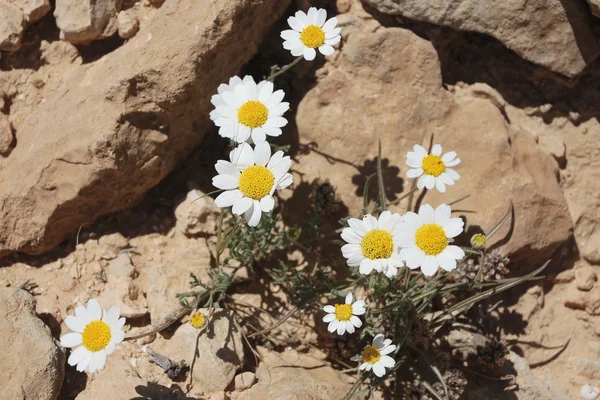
371,354
431,238
198,320
253,114
256,182
96,336
343,312
312,36
377,244
433,165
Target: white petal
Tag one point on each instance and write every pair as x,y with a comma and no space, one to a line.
259,135
297,50
329,309
112,316
356,321
414,173
429,266
370,222
444,177
94,309
228,198
83,364
279,109
77,355
427,214
289,34
267,203
446,261
302,18
429,181
83,315
349,298
413,256
454,251
265,92
333,325
349,327
226,168
436,150
454,227
276,122
321,17
227,111
330,24
379,369
326,50
388,349
271,131
70,339
387,361
75,324
358,227
341,329
351,250
449,156
262,153
242,205
285,181
333,41
328,318
253,214
350,236
312,15
442,214
225,182
98,360
439,185
452,174
117,335
366,266
309,54
333,33
453,163
358,308
110,348
242,133
275,99
378,341
242,156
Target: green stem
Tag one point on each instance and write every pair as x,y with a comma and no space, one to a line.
274,75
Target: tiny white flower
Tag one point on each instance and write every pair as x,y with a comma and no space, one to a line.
589,392
424,239
343,317
373,244
309,32
245,110
432,168
250,178
96,332
376,356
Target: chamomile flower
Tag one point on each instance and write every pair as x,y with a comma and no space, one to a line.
343,317
376,356
96,333
373,244
425,239
432,169
250,178
245,110
309,32
198,320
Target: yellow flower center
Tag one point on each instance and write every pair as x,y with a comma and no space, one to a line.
312,36
253,114
377,244
343,312
197,320
431,238
256,182
95,336
433,165
371,355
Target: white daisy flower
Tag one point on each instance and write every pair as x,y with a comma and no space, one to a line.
310,32
424,239
250,178
376,356
343,317
246,110
96,332
373,244
432,168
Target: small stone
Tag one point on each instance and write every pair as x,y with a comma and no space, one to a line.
121,267
59,52
81,21
565,276
127,24
33,9
589,392
196,214
588,368
588,301
244,381
585,278
6,136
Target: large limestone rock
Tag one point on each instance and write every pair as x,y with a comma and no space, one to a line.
556,34
33,9
12,23
117,126
387,84
81,21
32,365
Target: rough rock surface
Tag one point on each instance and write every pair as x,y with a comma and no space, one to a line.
81,21
553,33
12,23
117,378
595,7
128,24
387,84
197,214
32,363
6,136
137,116
220,351
33,9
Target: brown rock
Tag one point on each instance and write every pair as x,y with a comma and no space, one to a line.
6,136
127,24
33,9
588,301
395,93
565,276
12,23
197,214
139,112
595,7
552,33
32,363
585,278
81,21
244,381
59,52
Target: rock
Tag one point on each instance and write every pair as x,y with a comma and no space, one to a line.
396,93
588,368
244,381
589,392
550,33
565,276
122,290
6,136
32,363
81,21
12,24
585,278
595,7
140,113
127,24
587,230
118,380
465,342
220,351
300,376
588,301
197,214
530,386
59,52
33,9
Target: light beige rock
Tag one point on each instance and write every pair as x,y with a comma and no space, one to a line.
197,214
127,24
81,21
585,278
244,381
32,365
122,290
33,9
387,84
12,24
59,52
140,110
118,380
555,34
220,352
6,136
578,300
595,7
